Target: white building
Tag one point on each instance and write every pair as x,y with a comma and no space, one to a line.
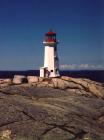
51,60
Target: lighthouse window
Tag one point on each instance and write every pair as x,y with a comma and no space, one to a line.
51,70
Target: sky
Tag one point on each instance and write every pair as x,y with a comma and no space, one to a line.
79,25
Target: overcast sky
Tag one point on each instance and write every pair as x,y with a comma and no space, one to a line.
79,25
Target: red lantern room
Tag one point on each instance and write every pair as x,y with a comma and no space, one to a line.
50,36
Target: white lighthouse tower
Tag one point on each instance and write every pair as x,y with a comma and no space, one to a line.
51,60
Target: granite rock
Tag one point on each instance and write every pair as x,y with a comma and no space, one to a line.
32,79
19,79
62,108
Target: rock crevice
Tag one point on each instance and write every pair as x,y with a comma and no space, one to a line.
56,108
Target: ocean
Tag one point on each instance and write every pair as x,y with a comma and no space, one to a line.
96,75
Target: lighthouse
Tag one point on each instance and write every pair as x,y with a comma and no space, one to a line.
51,60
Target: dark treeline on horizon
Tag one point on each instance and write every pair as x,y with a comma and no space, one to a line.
96,75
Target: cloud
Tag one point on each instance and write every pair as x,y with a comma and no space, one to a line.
81,67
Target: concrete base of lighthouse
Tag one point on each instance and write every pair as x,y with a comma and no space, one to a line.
45,72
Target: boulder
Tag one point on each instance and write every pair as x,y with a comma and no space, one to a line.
7,80
95,88
19,76
19,79
41,79
59,83
63,84
43,84
3,81
32,79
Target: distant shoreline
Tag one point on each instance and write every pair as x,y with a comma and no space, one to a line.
95,75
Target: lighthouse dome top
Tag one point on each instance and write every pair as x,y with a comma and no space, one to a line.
50,38
50,33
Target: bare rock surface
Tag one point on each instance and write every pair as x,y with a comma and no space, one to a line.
19,79
32,79
54,109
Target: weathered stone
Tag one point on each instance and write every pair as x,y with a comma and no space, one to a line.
95,88
5,82
43,84
19,76
101,120
59,83
41,79
4,85
6,134
79,91
2,81
40,111
63,84
48,113
19,79
32,79
57,134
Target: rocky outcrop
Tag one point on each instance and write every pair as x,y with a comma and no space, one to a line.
62,108
19,79
80,86
95,88
76,85
45,113
32,79
4,81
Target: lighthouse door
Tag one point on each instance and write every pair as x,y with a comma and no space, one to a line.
46,72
